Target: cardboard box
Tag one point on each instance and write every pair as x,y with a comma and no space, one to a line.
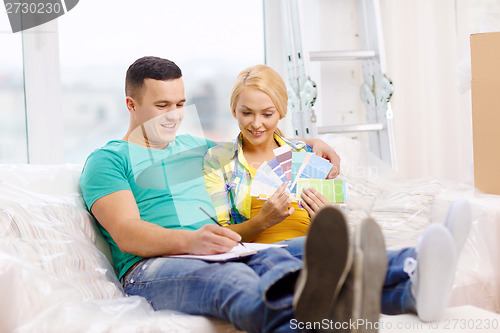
485,57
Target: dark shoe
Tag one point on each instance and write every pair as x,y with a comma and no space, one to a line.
360,297
327,261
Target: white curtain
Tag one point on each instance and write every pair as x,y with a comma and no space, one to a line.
425,41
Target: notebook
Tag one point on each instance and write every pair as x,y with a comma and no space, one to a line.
236,252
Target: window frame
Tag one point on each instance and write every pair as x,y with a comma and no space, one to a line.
42,84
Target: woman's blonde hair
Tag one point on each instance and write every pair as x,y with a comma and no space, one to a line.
265,79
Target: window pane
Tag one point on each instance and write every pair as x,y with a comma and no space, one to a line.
211,41
13,146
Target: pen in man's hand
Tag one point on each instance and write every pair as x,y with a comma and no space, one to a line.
204,211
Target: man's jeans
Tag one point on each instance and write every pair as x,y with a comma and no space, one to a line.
397,297
255,294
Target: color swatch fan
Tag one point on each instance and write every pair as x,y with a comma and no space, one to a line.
300,170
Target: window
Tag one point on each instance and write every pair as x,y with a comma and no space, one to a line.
211,41
13,141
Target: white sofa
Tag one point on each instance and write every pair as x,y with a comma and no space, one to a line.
55,275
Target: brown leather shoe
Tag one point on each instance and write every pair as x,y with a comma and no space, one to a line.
358,306
327,261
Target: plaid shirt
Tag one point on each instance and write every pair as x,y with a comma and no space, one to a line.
228,178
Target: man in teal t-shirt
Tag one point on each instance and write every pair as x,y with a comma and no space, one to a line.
167,184
145,191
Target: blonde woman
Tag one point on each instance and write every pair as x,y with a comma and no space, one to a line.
258,101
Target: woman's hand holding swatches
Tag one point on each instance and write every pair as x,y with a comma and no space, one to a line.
277,207
313,201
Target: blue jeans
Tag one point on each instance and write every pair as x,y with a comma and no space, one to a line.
396,293
255,294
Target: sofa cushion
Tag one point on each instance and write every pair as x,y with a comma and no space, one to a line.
57,235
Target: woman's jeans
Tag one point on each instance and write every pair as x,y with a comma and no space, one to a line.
397,297
255,294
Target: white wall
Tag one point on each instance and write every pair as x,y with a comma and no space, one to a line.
426,44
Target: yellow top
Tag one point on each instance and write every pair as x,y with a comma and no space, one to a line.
296,225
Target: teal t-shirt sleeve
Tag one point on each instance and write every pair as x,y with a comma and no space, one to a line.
197,141
104,173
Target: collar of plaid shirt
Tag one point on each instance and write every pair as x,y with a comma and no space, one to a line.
239,186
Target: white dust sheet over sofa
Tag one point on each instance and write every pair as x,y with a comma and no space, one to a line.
55,275
404,208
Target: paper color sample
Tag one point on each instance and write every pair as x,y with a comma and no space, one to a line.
276,166
284,157
265,182
305,170
332,189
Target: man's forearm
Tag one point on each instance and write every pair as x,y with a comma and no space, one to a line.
146,239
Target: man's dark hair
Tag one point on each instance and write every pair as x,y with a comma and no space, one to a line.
149,68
